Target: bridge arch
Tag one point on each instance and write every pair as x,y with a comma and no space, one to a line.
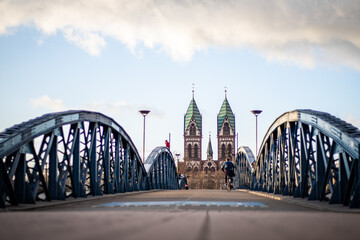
244,168
72,153
307,153
161,169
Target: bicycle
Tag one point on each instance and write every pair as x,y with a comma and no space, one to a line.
227,185
229,182
228,168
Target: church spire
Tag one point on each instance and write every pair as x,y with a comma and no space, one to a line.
226,112
226,131
192,132
193,113
209,151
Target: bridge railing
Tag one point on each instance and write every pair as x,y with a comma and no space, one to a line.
68,154
310,154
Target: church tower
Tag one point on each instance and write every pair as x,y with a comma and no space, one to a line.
226,131
192,132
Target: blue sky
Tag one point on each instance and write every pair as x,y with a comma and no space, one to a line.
122,56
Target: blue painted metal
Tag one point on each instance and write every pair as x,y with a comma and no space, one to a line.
244,168
307,154
75,153
161,169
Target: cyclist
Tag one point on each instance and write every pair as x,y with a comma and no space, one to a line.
228,168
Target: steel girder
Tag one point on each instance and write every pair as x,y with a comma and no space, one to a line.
312,155
161,169
244,168
72,153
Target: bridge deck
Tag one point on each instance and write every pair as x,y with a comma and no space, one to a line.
203,214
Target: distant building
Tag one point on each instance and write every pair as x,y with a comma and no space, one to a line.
207,173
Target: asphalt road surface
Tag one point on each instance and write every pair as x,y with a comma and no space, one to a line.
198,215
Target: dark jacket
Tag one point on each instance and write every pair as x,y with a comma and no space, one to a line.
228,166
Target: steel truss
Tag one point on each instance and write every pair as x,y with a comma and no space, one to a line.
161,169
71,154
244,168
312,155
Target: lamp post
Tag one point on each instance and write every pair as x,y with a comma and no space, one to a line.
237,143
144,113
256,113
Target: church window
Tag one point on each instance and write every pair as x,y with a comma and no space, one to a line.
192,130
226,129
189,151
229,150
196,151
223,151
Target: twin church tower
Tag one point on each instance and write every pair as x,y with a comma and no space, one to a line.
193,133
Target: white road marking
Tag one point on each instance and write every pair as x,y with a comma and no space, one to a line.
182,204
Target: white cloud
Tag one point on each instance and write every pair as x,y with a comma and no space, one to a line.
305,32
121,108
114,107
48,103
90,42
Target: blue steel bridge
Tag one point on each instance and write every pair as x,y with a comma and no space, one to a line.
305,154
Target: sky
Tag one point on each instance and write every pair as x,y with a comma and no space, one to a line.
119,56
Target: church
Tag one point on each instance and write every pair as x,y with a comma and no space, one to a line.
206,173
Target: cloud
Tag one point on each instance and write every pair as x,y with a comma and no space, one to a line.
48,103
121,108
90,42
113,107
304,32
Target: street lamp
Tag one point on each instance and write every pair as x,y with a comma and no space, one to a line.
256,113
144,113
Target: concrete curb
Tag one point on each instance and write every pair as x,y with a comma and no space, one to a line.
40,205
317,205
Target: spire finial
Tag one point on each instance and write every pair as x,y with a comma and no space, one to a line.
225,91
193,87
